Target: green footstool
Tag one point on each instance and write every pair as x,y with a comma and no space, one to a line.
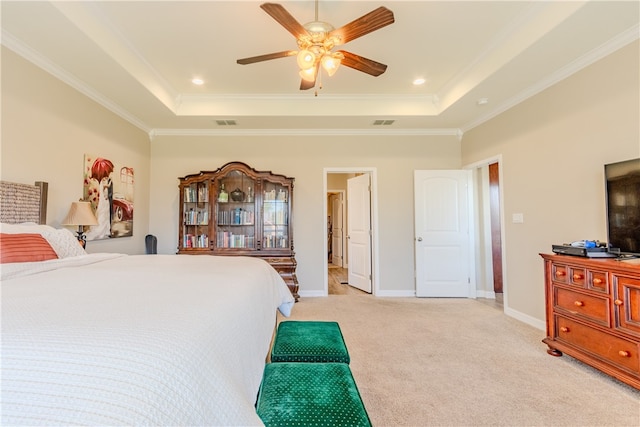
310,395
309,341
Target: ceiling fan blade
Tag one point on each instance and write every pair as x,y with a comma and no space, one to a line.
284,18
374,20
361,63
267,57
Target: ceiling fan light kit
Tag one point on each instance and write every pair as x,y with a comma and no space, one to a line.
316,40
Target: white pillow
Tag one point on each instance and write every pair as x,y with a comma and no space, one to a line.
63,242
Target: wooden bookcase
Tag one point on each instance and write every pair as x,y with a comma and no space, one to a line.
236,210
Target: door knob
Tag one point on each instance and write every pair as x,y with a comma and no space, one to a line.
419,239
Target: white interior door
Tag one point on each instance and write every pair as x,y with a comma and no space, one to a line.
442,240
336,230
359,232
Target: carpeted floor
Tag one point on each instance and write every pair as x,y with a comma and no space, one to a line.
459,362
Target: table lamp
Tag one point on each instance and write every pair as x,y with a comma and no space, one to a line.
82,215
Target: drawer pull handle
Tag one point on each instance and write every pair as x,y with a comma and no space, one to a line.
560,273
577,276
564,329
578,303
623,353
618,302
597,281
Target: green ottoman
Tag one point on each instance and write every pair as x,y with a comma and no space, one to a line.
308,341
310,395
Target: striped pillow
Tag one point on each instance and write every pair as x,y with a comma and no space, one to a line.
24,248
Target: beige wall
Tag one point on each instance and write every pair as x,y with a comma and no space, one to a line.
47,127
305,157
553,149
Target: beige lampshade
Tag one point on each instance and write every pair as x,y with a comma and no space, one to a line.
80,213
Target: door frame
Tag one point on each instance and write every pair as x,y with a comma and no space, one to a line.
487,248
372,172
343,195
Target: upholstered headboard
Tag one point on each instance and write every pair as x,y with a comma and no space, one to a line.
23,202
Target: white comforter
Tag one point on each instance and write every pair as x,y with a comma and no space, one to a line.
138,340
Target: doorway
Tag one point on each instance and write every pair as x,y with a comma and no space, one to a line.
489,226
336,211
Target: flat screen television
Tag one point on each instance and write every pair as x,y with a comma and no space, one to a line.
623,207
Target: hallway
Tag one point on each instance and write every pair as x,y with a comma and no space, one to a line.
338,282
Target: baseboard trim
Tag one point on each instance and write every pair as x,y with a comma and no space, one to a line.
525,318
395,294
485,294
312,294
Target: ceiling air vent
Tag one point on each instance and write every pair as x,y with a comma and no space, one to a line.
383,122
226,122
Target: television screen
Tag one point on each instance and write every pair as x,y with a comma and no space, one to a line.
623,207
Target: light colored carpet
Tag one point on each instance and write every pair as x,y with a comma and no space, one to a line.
459,362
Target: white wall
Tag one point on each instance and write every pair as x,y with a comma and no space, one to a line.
553,149
304,158
47,127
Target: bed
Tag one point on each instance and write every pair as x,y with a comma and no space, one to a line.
113,339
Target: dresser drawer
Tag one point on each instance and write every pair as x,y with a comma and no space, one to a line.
577,276
589,307
618,351
598,281
581,277
560,273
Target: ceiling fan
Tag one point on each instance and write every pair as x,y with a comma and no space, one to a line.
316,40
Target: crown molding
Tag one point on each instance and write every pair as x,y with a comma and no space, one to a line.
616,43
306,132
45,64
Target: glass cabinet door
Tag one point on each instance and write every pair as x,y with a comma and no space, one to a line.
235,211
275,217
195,221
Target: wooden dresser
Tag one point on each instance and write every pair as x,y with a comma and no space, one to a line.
593,313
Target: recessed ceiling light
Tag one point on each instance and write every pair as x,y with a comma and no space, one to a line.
419,81
483,101
197,81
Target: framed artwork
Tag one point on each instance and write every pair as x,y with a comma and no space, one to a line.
109,187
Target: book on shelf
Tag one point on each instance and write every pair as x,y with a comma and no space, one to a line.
237,216
192,241
227,239
203,193
279,217
196,217
271,240
196,193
